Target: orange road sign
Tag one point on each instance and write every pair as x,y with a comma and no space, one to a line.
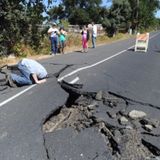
142,42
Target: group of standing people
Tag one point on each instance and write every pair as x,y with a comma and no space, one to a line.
86,36
57,38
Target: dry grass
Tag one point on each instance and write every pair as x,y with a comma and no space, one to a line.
13,60
73,44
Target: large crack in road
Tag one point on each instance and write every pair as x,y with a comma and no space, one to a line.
100,126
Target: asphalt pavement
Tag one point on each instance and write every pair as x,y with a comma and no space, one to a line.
114,67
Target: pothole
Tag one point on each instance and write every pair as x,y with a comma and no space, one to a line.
109,115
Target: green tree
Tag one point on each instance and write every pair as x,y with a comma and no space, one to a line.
135,14
78,11
147,13
143,13
56,12
117,17
11,18
34,18
18,22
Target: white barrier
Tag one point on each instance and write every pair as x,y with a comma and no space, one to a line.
142,42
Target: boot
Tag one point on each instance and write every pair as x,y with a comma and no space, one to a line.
9,81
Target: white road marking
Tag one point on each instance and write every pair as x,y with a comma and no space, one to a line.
69,74
92,65
15,96
95,64
74,80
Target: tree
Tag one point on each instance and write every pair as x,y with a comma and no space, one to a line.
79,16
142,15
11,17
147,13
18,20
79,11
34,17
135,14
117,17
57,12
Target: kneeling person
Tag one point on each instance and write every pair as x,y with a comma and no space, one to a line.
31,72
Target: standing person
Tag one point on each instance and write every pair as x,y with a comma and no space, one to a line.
88,35
84,39
62,39
53,33
31,72
94,35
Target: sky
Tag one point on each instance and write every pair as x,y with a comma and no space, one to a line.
104,3
158,14
56,2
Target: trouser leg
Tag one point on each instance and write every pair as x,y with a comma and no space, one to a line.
52,45
24,78
93,41
55,45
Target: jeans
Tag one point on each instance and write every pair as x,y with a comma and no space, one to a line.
54,44
93,42
24,78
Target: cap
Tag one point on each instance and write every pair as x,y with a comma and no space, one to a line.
54,24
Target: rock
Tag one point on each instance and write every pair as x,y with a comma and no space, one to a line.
106,119
83,101
135,114
123,120
136,125
150,111
129,127
148,127
112,101
99,96
123,112
112,115
154,122
93,105
115,110
117,135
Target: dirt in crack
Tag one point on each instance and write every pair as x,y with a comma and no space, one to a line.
129,133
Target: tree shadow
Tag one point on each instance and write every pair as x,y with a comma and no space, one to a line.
157,51
131,49
78,51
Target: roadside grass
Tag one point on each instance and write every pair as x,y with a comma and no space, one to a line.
73,43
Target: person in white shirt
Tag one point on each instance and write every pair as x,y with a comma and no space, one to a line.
94,35
53,33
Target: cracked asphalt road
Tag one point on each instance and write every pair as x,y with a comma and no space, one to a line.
129,74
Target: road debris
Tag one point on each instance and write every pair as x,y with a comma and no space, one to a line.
128,133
